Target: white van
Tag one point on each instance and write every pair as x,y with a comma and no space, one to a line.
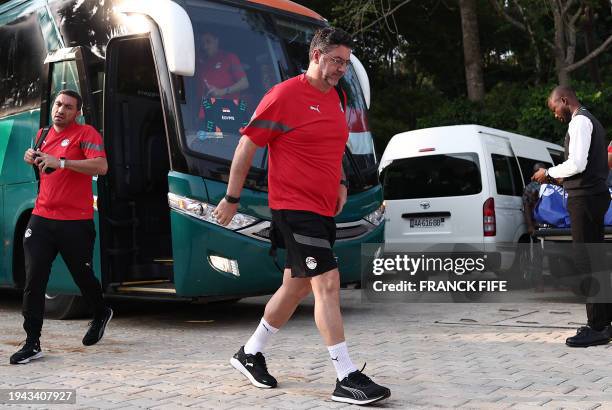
460,184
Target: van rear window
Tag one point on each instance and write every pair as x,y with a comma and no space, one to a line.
433,176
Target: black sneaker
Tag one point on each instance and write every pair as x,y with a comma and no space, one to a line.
30,351
587,336
253,366
97,327
357,388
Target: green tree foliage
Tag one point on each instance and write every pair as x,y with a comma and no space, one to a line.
414,57
513,107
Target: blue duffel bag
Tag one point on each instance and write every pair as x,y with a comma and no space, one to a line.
551,208
608,217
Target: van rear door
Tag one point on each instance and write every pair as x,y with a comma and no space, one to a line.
507,188
431,199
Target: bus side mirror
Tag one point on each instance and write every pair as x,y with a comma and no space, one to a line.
175,27
362,76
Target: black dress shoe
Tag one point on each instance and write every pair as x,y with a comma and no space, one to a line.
587,336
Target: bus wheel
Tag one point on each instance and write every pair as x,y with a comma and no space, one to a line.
65,307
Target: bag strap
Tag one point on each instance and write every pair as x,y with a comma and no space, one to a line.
42,137
37,146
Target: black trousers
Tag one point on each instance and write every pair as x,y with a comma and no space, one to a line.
587,219
43,240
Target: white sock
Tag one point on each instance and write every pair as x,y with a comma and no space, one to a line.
260,338
341,360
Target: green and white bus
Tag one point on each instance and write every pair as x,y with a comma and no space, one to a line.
137,65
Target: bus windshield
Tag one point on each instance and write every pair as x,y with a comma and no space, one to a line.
237,61
240,55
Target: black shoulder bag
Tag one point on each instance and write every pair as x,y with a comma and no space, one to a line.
37,146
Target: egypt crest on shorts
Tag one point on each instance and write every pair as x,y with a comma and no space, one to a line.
311,263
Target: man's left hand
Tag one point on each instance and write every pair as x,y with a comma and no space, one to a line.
44,161
540,176
342,193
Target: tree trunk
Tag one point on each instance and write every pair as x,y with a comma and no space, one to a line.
559,45
589,41
471,51
564,77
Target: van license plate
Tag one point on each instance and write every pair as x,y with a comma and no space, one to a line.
426,222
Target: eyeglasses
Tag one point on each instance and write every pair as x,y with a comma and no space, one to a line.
338,61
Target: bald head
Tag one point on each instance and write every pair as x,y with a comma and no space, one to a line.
562,101
562,91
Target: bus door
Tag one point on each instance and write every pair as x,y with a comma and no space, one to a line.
135,215
67,69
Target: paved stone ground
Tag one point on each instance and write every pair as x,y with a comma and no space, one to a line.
172,356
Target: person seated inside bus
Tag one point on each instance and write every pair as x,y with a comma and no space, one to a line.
221,79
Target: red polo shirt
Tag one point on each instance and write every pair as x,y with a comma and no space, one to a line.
66,194
221,71
306,132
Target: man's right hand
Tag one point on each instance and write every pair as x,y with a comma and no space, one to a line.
540,176
29,156
224,212
216,92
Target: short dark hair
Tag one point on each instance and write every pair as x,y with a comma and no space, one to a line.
328,37
73,94
563,91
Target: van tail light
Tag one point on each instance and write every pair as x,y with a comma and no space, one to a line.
488,217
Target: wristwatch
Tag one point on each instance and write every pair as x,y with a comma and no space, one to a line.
232,199
344,182
62,162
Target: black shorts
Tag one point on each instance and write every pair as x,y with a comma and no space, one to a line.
308,238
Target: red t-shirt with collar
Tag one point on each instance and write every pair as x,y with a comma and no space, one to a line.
306,132
65,194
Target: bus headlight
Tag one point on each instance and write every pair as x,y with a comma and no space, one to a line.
202,210
376,217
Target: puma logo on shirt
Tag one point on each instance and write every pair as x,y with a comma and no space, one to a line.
315,108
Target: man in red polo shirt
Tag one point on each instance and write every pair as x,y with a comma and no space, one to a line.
302,122
62,220
221,78
221,73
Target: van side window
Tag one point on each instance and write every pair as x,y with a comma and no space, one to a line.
21,64
527,165
558,157
507,175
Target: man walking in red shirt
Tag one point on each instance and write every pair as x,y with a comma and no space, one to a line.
303,123
62,220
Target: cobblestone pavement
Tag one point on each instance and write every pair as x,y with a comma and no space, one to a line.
172,356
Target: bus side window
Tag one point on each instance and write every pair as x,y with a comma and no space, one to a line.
22,55
64,75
